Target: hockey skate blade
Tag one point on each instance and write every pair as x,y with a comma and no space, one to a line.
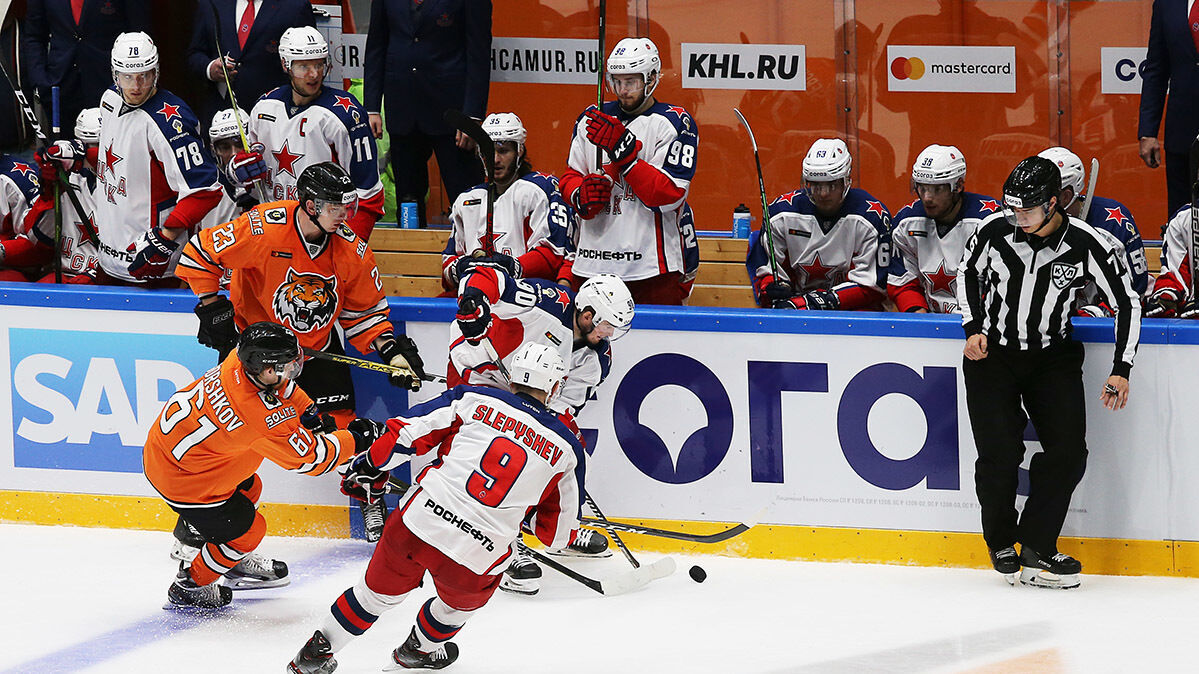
567,552
1041,578
239,584
639,577
521,587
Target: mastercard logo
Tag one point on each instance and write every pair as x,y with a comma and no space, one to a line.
904,68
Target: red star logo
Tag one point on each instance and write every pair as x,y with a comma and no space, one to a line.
168,111
676,110
875,207
286,160
488,245
816,271
1115,214
989,205
941,280
22,168
344,103
562,299
913,204
790,196
110,160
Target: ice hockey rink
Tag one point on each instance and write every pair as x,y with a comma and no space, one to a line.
83,599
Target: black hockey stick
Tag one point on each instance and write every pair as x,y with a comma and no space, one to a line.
717,537
1086,202
762,192
220,55
468,126
607,526
367,364
27,110
599,80
56,129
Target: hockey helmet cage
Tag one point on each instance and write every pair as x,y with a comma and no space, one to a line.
87,125
301,43
635,56
266,345
939,165
325,183
133,53
1070,166
505,127
224,124
537,366
827,160
609,298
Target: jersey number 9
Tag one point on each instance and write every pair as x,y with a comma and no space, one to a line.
498,469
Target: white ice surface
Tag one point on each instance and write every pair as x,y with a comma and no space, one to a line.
76,599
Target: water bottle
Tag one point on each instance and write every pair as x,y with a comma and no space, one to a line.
741,222
409,215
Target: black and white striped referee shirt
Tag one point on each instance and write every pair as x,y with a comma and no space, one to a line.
1019,289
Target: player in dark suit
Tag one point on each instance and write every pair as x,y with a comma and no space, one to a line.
74,56
1172,61
254,69
422,58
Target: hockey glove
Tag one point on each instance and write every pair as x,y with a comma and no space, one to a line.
777,291
474,315
151,254
362,480
217,330
365,432
604,130
315,421
816,300
625,153
1190,309
1162,304
1099,309
467,263
400,351
247,167
68,154
593,195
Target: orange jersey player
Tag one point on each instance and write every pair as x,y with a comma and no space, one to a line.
203,453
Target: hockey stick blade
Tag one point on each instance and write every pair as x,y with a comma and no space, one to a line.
468,126
1086,203
613,585
717,537
367,364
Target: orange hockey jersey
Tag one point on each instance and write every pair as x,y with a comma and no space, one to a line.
214,434
280,277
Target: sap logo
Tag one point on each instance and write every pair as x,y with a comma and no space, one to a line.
934,391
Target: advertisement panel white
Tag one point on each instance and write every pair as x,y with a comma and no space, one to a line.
951,68
1121,67
543,60
770,67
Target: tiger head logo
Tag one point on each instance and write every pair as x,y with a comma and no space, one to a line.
306,301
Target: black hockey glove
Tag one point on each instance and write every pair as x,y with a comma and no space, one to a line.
819,300
365,432
1190,309
1162,304
400,351
777,291
217,330
315,421
468,263
474,315
624,155
151,254
363,481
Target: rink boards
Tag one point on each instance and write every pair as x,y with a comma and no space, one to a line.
846,436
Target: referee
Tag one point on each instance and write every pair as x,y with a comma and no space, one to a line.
1020,272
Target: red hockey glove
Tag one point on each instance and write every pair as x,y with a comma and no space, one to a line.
247,167
474,315
151,254
816,300
68,154
1099,309
604,130
593,195
363,481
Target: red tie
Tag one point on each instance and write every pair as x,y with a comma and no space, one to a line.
1194,21
77,9
247,20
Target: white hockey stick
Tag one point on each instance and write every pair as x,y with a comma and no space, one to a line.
1086,202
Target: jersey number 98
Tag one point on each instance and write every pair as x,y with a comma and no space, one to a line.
498,469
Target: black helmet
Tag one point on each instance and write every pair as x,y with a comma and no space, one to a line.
1033,182
325,183
266,345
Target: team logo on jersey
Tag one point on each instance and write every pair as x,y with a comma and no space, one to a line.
343,102
1063,274
276,216
306,301
285,160
168,111
988,205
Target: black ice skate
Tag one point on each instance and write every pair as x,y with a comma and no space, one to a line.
316,657
185,594
1059,572
409,657
255,572
1006,562
374,516
187,542
521,576
587,543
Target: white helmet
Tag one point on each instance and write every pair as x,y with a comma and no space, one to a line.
133,53
1071,168
635,56
939,165
505,126
537,366
610,299
827,160
301,43
224,125
87,125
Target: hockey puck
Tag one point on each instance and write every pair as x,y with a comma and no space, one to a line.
698,574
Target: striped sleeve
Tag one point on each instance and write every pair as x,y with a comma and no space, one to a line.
305,452
1113,277
970,299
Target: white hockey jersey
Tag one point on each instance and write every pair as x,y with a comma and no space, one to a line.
925,258
79,254
500,454
530,214
334,128
18,190
629,238
151,158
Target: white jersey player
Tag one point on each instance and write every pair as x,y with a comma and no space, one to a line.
636,223
306,123
929,235
19,191
1173,292
156,177
224,140
831,242
533,229
505,462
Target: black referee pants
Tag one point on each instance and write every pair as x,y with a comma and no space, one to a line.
1049,384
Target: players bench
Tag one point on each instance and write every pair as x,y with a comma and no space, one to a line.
410,264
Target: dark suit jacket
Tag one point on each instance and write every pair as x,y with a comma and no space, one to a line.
1171,62
53,46
424,62
258,70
